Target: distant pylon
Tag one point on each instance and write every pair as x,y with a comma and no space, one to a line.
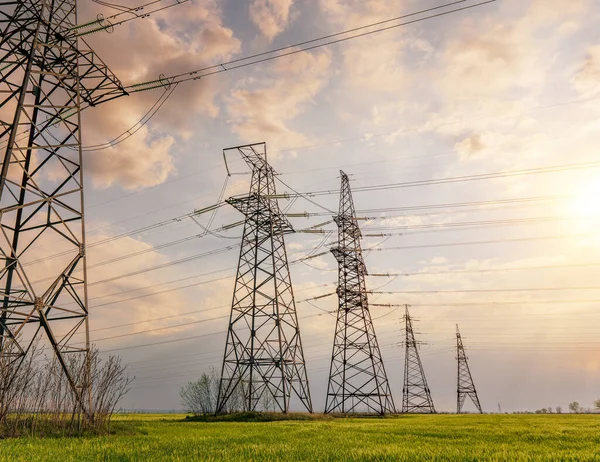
416,397
357,378
465,386
263,353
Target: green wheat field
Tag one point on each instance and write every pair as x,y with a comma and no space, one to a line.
437,437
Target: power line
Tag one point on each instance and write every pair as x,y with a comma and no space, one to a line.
214,233
166,265
491,241
102,24
305,196
220,203
457,179
464,243
484,270
474,291
446,205
294,49
187,278
175,340
179,315
310,346
488,303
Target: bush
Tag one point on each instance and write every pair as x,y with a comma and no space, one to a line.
200,396
37,399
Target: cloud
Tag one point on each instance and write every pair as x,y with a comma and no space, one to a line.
263,109
489,145
470,146
506,51
372,62
371,69
167,43
587,79
486,58
271,16
497,62
355,13
132,165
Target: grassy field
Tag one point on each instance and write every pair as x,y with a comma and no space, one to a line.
440,437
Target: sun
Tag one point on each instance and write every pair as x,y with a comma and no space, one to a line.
586,203
584,207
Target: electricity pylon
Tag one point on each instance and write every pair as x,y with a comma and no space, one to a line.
416,396
357,378
465,386
47,76
263,353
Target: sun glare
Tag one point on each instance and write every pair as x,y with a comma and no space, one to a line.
585,206
587,202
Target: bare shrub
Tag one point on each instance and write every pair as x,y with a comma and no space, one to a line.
109,383
200,396
36,398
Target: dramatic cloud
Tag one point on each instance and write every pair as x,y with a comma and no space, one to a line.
181,39
132,165
271,16
264,109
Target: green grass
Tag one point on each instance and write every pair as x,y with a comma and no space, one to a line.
438,437
254,416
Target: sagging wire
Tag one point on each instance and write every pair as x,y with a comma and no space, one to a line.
211,219
169,89
106,24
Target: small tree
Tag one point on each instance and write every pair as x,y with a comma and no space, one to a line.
597,404
574,407
558,410
200,396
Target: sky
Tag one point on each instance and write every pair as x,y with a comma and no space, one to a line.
509,86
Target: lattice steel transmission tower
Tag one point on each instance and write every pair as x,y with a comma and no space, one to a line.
357,377
416,396
465,385
263,353
47,76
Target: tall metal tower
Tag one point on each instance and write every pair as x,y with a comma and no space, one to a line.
47,76
357,378
416,397
263,353
465,386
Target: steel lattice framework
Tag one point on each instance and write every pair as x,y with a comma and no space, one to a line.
263,353
465,385
357,377
47,76
416,396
